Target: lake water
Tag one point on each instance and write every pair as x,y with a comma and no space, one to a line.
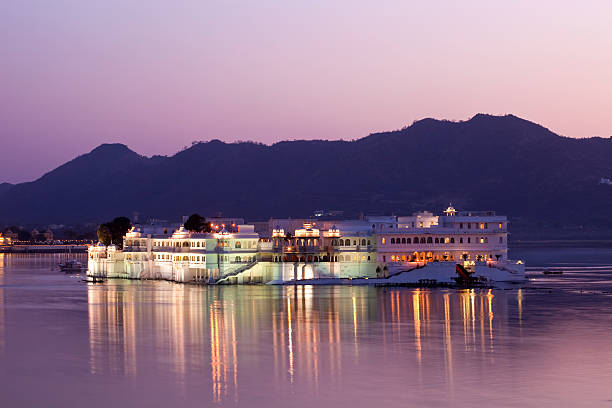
65,343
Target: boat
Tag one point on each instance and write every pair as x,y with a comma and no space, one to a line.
71,266
552,272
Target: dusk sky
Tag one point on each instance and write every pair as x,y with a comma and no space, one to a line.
75,74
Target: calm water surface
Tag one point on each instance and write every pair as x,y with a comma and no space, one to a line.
65,343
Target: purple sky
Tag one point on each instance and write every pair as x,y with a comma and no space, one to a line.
157,75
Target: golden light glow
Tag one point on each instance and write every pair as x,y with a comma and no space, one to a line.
290,340
416,309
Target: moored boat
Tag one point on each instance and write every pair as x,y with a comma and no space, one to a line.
71,266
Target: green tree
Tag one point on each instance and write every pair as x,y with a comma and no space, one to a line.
197,223
119,227
114,231
104,234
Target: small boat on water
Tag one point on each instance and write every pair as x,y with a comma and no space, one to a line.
71,266
552,272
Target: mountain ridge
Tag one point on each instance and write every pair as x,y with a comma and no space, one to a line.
504,163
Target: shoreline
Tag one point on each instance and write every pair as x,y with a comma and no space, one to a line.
561,243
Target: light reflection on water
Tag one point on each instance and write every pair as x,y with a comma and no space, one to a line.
299,336
133,343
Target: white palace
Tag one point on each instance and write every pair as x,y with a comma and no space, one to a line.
375,249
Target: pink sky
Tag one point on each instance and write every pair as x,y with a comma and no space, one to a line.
157,75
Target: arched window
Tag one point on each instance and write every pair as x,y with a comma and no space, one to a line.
422,240
238,244
403,240
452,240
429,240
408,241
237,259
363,242
393,240
436,241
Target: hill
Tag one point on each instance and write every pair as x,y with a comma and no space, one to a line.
516,167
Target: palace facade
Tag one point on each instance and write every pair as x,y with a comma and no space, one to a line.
285,250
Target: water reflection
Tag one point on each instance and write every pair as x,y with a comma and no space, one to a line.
303,335
2,329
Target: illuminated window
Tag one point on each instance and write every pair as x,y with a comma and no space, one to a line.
392,258
501,225
384,241
447,240
481,225
482,240
421,224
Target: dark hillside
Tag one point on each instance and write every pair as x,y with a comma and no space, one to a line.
516,167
